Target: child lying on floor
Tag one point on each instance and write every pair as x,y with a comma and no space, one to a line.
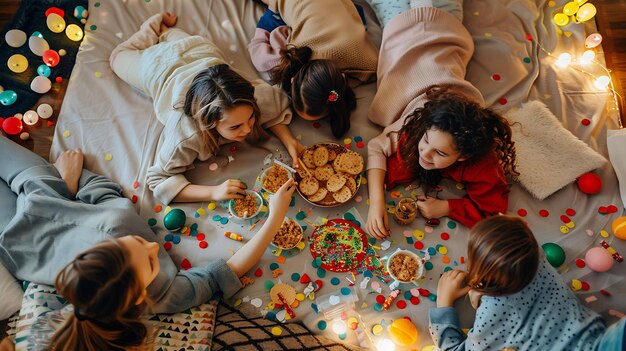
85,238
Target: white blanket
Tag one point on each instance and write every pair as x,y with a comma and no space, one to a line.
118,131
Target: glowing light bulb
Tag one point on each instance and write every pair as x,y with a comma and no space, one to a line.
587,57
561,19
74,32
385,345
55,23
593,40
570,8
602,82
580,2
564,60
30,117
339,327
585,12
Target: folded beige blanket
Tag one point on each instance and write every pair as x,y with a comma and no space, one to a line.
548,156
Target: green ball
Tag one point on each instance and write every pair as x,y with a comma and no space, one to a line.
175,219
554,254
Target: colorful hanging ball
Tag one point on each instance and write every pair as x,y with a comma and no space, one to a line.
17,63
8,97
599,259
12,125
51,58
38,45
80,12
619,228
45,111
589,183
44,70
15,38
175,219
554,253
41,84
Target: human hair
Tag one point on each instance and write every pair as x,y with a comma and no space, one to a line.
215,90
502,254
318,88
104,289
476,132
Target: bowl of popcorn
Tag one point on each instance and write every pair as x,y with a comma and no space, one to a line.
289,234
274,177
405,267
247,207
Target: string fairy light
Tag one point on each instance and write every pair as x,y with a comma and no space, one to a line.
602,82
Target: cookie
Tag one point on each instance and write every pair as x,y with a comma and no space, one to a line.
342,195
309,186
307,158
335,182
320,156
349,162
319,195
332,155
351,184
324,172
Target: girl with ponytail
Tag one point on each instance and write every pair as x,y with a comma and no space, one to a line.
311,53
101,255
203,104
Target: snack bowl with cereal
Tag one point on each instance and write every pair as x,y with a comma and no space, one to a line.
246,208
329,175
289,234
405,266
274,177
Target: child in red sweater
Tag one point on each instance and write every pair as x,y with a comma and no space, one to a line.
454,137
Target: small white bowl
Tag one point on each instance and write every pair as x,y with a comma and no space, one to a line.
420,267
264,173
259,203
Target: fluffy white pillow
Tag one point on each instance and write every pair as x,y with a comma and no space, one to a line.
11,294
549,156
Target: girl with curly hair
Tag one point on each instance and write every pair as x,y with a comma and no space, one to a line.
435,123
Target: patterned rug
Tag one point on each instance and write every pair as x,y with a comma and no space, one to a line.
235,329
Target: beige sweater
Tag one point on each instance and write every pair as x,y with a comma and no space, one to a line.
421,47
167,65
333,30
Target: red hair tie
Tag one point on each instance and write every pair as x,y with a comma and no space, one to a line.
333,96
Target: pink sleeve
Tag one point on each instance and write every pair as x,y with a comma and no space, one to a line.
383,146
264,48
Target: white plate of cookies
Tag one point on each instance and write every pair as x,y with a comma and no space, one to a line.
405,266
330,174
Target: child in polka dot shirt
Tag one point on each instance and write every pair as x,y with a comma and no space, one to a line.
521,301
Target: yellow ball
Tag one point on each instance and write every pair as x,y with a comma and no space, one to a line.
403,332
619,227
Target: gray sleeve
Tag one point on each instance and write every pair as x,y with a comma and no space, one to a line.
198,285
445,329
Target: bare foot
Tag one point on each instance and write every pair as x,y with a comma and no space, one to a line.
169,20
70,166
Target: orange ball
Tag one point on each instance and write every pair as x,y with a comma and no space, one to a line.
403,332
619,227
